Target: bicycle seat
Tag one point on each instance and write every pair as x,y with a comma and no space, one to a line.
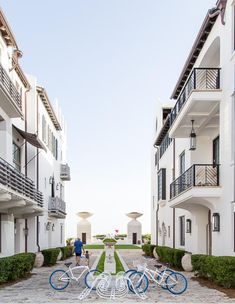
68,264
158,266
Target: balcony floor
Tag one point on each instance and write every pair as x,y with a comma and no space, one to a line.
203,108
205,196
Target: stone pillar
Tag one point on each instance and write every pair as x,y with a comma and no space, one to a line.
134,229
8,235
84,227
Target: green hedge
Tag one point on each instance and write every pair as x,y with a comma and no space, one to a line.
50,256
170,255
67,252
219,269
148,249
16,266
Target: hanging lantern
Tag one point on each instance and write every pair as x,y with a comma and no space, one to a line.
192,138
188,226
216,222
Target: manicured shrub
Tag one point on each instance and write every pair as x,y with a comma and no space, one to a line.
148,249
109,240
219,269
67,252
170,255
16,266
50,256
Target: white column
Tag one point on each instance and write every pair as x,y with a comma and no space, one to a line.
7,235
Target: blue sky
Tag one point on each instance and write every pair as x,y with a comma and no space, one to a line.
108,62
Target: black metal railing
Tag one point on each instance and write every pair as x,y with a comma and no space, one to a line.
56,205
15,180
195,176
9,87
200,79
165,144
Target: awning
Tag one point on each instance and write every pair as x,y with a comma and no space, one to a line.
32,139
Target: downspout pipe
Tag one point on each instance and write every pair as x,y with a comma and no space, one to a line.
37,184
157,203
26,156
173,173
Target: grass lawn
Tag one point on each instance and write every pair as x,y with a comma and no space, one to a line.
119,266
100,265
127,247
116,247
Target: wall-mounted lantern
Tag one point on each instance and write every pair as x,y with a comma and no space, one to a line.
192,137
26,231
216,222
188,226
51,180
48,224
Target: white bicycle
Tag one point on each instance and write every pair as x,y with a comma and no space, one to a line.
168,279
60,279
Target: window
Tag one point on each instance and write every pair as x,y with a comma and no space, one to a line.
156,158
182,163
216,151
169,231
182,230
44,130
16,156
165,144
234,28
161,179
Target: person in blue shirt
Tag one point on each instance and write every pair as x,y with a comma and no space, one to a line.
78,248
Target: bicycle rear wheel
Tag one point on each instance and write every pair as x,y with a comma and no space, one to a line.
59,279
90,278
176,283
138,282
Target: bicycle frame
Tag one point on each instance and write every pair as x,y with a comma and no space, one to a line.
69,272
150,274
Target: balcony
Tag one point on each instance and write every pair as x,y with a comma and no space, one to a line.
65,172
57,207
16,190
199,100
199,183
10,99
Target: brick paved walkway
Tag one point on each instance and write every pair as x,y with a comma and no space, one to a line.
36,289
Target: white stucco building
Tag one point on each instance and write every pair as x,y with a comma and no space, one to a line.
32,158
193,192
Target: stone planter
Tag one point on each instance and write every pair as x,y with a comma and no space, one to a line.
59,256
186,262
39,260
155,254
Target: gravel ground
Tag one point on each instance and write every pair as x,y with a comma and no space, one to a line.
36,288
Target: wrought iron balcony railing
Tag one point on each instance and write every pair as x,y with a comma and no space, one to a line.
57,205
15,180
195,176
9,87
200,79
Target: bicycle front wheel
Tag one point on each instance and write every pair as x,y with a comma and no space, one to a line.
138,282
162,277
90,278
59,279
176,283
